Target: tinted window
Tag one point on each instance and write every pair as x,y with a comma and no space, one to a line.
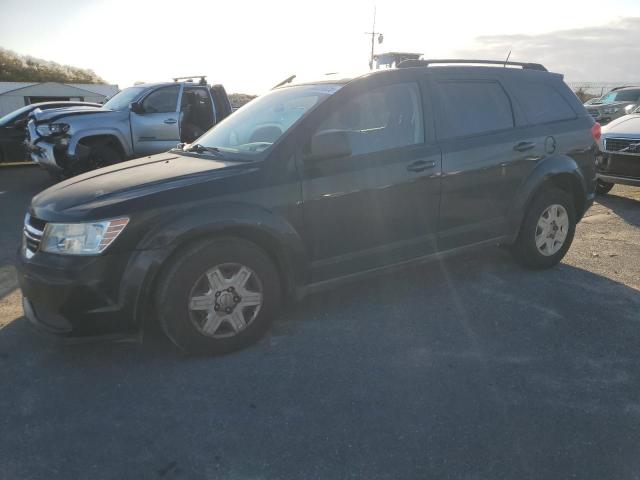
621,96
380,119
542,103
162,100
473,107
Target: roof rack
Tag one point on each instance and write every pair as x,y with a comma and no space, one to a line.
426,63
203,79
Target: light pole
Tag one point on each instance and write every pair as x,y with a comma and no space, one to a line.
373,34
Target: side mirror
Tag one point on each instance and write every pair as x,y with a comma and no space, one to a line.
136,107
329,144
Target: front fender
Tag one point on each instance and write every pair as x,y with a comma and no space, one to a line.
550,167
78,136
269,229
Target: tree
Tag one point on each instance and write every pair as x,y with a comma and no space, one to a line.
22,68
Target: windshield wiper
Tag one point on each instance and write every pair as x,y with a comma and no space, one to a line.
197,148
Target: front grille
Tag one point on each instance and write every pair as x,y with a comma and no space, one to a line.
624,165
594,113
623,145
32,234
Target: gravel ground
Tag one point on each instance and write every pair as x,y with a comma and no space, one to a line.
470,368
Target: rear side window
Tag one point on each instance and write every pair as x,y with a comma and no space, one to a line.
542,103
474,107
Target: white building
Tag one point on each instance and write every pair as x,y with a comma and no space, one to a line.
14,95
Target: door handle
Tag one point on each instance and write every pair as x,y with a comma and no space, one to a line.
523,146
170,121
421,165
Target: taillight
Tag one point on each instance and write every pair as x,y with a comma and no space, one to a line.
596,131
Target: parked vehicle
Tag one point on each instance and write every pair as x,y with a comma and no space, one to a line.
615,104
13,124
312,185
137,121
619,161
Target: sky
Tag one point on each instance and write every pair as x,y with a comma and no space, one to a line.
251,46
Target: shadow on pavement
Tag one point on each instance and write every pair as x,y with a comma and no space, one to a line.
626,208
469,368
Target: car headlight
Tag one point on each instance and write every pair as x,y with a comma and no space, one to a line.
89,238
52,129
629,108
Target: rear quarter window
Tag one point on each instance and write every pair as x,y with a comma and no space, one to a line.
472,107
542,103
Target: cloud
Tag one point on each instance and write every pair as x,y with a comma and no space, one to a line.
605,53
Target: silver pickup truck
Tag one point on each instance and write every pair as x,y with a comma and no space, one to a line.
138,121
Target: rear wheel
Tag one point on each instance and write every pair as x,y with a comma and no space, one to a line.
218,296
547,230
603,188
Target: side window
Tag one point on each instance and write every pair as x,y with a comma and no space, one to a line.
474,107
542,103
380,119
162,100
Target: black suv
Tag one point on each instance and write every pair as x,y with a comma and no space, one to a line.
311,184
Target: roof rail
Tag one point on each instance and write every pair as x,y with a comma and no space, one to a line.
203,79
426,63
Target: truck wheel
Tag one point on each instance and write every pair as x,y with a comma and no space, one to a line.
603,188
547,230
99,156
218,296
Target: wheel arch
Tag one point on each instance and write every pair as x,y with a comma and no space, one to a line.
560,171
109,137
281,247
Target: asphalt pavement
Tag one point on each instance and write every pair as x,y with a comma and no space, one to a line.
470,368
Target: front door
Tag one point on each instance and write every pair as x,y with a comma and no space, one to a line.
157,128
379,205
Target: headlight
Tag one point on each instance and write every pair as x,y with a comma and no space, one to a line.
81,238
52,129
629,108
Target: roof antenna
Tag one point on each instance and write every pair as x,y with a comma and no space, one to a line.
507,59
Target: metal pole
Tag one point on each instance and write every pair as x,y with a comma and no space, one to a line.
373,36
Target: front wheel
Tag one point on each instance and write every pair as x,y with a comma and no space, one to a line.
603,188
218,296
547,230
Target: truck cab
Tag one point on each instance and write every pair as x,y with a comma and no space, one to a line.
138,121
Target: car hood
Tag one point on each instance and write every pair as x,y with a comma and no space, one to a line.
128,180
629,125
56,113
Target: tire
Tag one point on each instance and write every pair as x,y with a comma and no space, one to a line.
190,304
602,188
525,250
99,156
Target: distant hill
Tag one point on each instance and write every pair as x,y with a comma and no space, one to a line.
239,99
24,68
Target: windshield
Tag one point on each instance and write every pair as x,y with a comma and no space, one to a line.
12,116
260,123
621,96
122,99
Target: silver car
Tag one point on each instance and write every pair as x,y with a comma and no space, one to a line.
619,160
138,121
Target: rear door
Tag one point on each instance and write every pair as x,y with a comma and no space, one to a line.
157,128
379,205
481,156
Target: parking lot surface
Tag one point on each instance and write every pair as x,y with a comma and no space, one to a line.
467,368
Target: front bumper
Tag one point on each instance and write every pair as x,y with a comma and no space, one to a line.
612,167
82,297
